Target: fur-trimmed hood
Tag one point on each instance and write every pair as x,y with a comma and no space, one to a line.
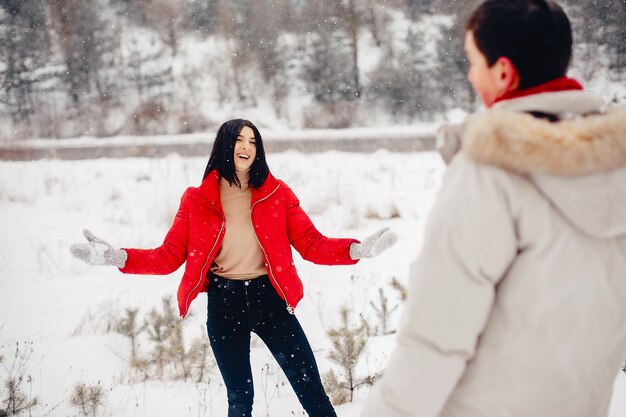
577,162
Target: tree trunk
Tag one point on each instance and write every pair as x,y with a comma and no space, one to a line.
355,47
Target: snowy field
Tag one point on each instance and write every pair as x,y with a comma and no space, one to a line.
56,312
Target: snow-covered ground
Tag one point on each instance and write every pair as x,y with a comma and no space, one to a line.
56,309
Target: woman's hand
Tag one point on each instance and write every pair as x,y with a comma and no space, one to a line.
374,244
98,252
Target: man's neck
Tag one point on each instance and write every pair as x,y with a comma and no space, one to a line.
557,84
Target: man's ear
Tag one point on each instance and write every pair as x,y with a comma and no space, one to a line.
507,78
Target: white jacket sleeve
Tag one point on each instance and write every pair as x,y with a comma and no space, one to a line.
469,243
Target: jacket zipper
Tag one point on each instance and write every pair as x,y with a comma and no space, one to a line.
290,309
202,269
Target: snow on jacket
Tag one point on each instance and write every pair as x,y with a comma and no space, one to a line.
199,227
517,300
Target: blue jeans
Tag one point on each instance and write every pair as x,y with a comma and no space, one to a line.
236,308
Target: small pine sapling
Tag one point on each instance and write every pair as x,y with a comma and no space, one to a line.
14,400
383,312
348,346
403,293
161,329
201,359
87,398
127,326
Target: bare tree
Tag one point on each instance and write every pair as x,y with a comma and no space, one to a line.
167,17
202,16
418,7
375,19
601,26
24,50
449,78
328,61
84,39
349,11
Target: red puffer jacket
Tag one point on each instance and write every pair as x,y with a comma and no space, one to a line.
199,227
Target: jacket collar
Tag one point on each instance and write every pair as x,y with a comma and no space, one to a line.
209,190
558,84
266,189
560,103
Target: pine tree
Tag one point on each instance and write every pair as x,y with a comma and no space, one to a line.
24,51
128,326
383,311
348,346
328,63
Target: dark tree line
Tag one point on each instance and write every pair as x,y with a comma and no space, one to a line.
104,67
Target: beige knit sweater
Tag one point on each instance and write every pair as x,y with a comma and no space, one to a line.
240,256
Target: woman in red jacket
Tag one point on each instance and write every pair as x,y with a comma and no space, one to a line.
235,232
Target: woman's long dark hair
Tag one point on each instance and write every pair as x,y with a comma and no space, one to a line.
223,153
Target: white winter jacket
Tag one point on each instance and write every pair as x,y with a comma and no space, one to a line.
517,301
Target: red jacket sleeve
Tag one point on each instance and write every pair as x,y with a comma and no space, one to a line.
308,241
168,257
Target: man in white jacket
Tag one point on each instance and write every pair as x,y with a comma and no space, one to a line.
517,301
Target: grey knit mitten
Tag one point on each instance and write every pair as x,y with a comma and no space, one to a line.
374,244
98,252
449,140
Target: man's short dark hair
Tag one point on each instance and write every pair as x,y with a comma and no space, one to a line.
534,34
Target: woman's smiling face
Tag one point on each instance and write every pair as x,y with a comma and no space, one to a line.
245,149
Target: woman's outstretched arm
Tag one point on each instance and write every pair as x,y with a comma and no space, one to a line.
319,249
168,257
162,260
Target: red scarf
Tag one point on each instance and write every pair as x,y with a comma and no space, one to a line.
558,84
